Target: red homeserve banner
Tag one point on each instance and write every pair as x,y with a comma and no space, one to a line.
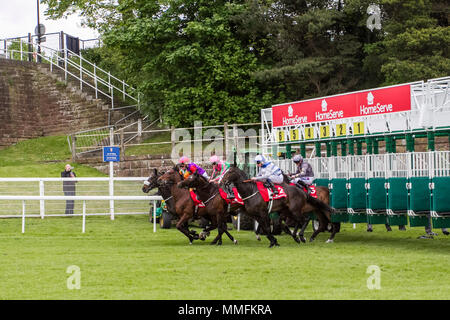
371,102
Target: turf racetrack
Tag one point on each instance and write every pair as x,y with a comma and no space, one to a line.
124,259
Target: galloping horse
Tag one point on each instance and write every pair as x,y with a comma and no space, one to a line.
292,206
185,208
209,194
323,194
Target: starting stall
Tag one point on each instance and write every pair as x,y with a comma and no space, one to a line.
352,141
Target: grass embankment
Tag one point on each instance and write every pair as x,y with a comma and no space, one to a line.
124,259
40,157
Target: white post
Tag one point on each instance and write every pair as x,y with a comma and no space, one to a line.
84,216
239,222
23,216
65,65
154,216
95,80
81,73
41,202
139,128
111,176
123,88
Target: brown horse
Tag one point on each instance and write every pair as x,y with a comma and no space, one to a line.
184,208
290,207
323,194
209,194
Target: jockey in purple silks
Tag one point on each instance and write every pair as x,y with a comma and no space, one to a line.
188,168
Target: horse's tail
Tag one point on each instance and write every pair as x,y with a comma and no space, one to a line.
319,204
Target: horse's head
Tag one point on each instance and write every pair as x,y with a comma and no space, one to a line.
152,181
234,175
170,178
194,181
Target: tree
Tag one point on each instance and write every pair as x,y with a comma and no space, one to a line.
413,46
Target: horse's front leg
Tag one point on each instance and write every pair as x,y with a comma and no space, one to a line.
302,231
182,226
265,225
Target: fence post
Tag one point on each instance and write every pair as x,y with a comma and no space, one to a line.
172,136
225,136
74,145
81,72
84,216
139,130
23,216
122,145
95,81
30,48
111,176
41,202
154,216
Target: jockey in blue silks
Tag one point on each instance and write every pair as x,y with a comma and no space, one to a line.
268,172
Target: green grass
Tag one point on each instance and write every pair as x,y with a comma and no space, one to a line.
124,259
40,157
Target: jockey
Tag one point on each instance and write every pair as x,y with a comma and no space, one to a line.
187,168
268,172
219,169
305,174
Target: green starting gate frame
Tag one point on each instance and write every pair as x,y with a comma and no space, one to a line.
393,188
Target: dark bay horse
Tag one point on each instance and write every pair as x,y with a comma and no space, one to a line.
209,194
323,194
290,207
184,207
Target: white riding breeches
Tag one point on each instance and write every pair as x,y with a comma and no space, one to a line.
307,180
276,178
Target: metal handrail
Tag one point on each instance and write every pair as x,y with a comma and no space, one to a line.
79,67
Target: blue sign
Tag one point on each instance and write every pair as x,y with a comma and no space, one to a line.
111,154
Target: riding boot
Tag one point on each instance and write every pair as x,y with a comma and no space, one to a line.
272,187
302,185
229,191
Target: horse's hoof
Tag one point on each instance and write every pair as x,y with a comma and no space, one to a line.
235,241
258,238
297,240
302,239
329,241
311,240
274,245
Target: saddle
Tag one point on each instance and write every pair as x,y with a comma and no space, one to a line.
267,194
237,197
311,189
198,203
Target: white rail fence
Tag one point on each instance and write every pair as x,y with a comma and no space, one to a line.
44,197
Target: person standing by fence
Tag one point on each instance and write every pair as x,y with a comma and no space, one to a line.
69,187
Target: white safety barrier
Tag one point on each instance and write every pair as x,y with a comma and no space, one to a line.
84,199
95,190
